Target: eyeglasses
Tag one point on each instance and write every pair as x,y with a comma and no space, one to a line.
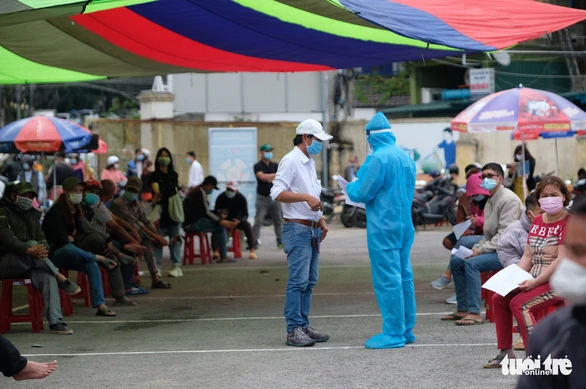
490,176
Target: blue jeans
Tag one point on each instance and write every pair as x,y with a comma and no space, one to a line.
466,274
303,261
174,247
219,232
72,257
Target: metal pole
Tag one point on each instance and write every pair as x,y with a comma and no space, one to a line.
55,178
523,168
326,124
557,158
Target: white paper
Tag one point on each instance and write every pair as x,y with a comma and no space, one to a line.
507,280
343,184
460,229
462,252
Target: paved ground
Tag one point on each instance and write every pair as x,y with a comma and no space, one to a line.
221,326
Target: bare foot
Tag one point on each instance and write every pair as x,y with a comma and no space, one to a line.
35,371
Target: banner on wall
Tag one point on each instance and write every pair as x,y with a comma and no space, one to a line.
233,153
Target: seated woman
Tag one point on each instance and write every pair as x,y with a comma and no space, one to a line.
60,227
470,206
544,249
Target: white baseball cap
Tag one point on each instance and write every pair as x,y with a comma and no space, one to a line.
313,127
233,185
113,160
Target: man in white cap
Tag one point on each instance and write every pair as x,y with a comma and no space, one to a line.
297,187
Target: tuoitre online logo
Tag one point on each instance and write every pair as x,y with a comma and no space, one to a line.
534,366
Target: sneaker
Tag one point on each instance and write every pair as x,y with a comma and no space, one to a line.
176,272
124,302
135,291
441,282
452,299
298,338
60,329
70,288
315,335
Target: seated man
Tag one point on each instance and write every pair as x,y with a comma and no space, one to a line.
127,208
502,209
236,205
24,252
199,217
60,225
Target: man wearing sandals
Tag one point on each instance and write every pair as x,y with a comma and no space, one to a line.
24,252
502,209
60,227
128,208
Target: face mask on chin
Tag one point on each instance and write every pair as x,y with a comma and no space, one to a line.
569,281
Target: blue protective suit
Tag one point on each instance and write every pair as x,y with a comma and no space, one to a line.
386,184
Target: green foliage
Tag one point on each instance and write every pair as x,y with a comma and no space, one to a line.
386,87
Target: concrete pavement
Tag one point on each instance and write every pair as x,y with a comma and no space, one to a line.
221,326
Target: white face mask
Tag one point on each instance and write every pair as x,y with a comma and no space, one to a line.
519,157
75,198
569,281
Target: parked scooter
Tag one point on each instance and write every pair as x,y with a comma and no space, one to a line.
353,216
331,199
435,202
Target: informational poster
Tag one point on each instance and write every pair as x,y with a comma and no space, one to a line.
233,153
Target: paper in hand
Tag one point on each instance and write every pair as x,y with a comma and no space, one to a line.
343,184
507,280
460,229
462,252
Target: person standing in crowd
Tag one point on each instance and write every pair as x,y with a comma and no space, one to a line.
236,205
135,166
12,169
78,166
542,254
502,209
265,171
14,365
200,218
562,334
352,168
63,170
516,171
297,187
195,170
33,177
113,173
164,182
386,184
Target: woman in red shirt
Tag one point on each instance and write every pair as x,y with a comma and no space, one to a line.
544,249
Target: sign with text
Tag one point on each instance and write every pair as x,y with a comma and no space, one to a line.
481,82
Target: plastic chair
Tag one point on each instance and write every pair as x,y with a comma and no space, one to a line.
35,312
205,252
236,245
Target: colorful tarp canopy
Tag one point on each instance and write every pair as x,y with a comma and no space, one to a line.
65,40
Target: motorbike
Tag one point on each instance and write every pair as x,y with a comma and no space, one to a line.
353,216
331,199
580,187
435,202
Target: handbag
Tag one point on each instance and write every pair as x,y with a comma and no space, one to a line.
176,208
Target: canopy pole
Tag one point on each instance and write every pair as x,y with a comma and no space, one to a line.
326,124
523,167
557,158
55,178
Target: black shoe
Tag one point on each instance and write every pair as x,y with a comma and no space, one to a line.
316,336
60,329
299,338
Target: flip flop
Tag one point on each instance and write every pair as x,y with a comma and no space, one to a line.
469,322
494,363
105,312
108,264
452,317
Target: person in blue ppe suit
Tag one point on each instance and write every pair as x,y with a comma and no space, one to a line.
386,184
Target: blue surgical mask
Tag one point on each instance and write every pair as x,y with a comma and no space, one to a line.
92,199
188,161
479,198
268,155
130,196
230,194
26,166
140,157
489,184
315,147
73,161
209,191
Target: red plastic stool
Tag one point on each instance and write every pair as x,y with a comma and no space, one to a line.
136,276
66,305
205,252
486,294
106,282
35,314
236,244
